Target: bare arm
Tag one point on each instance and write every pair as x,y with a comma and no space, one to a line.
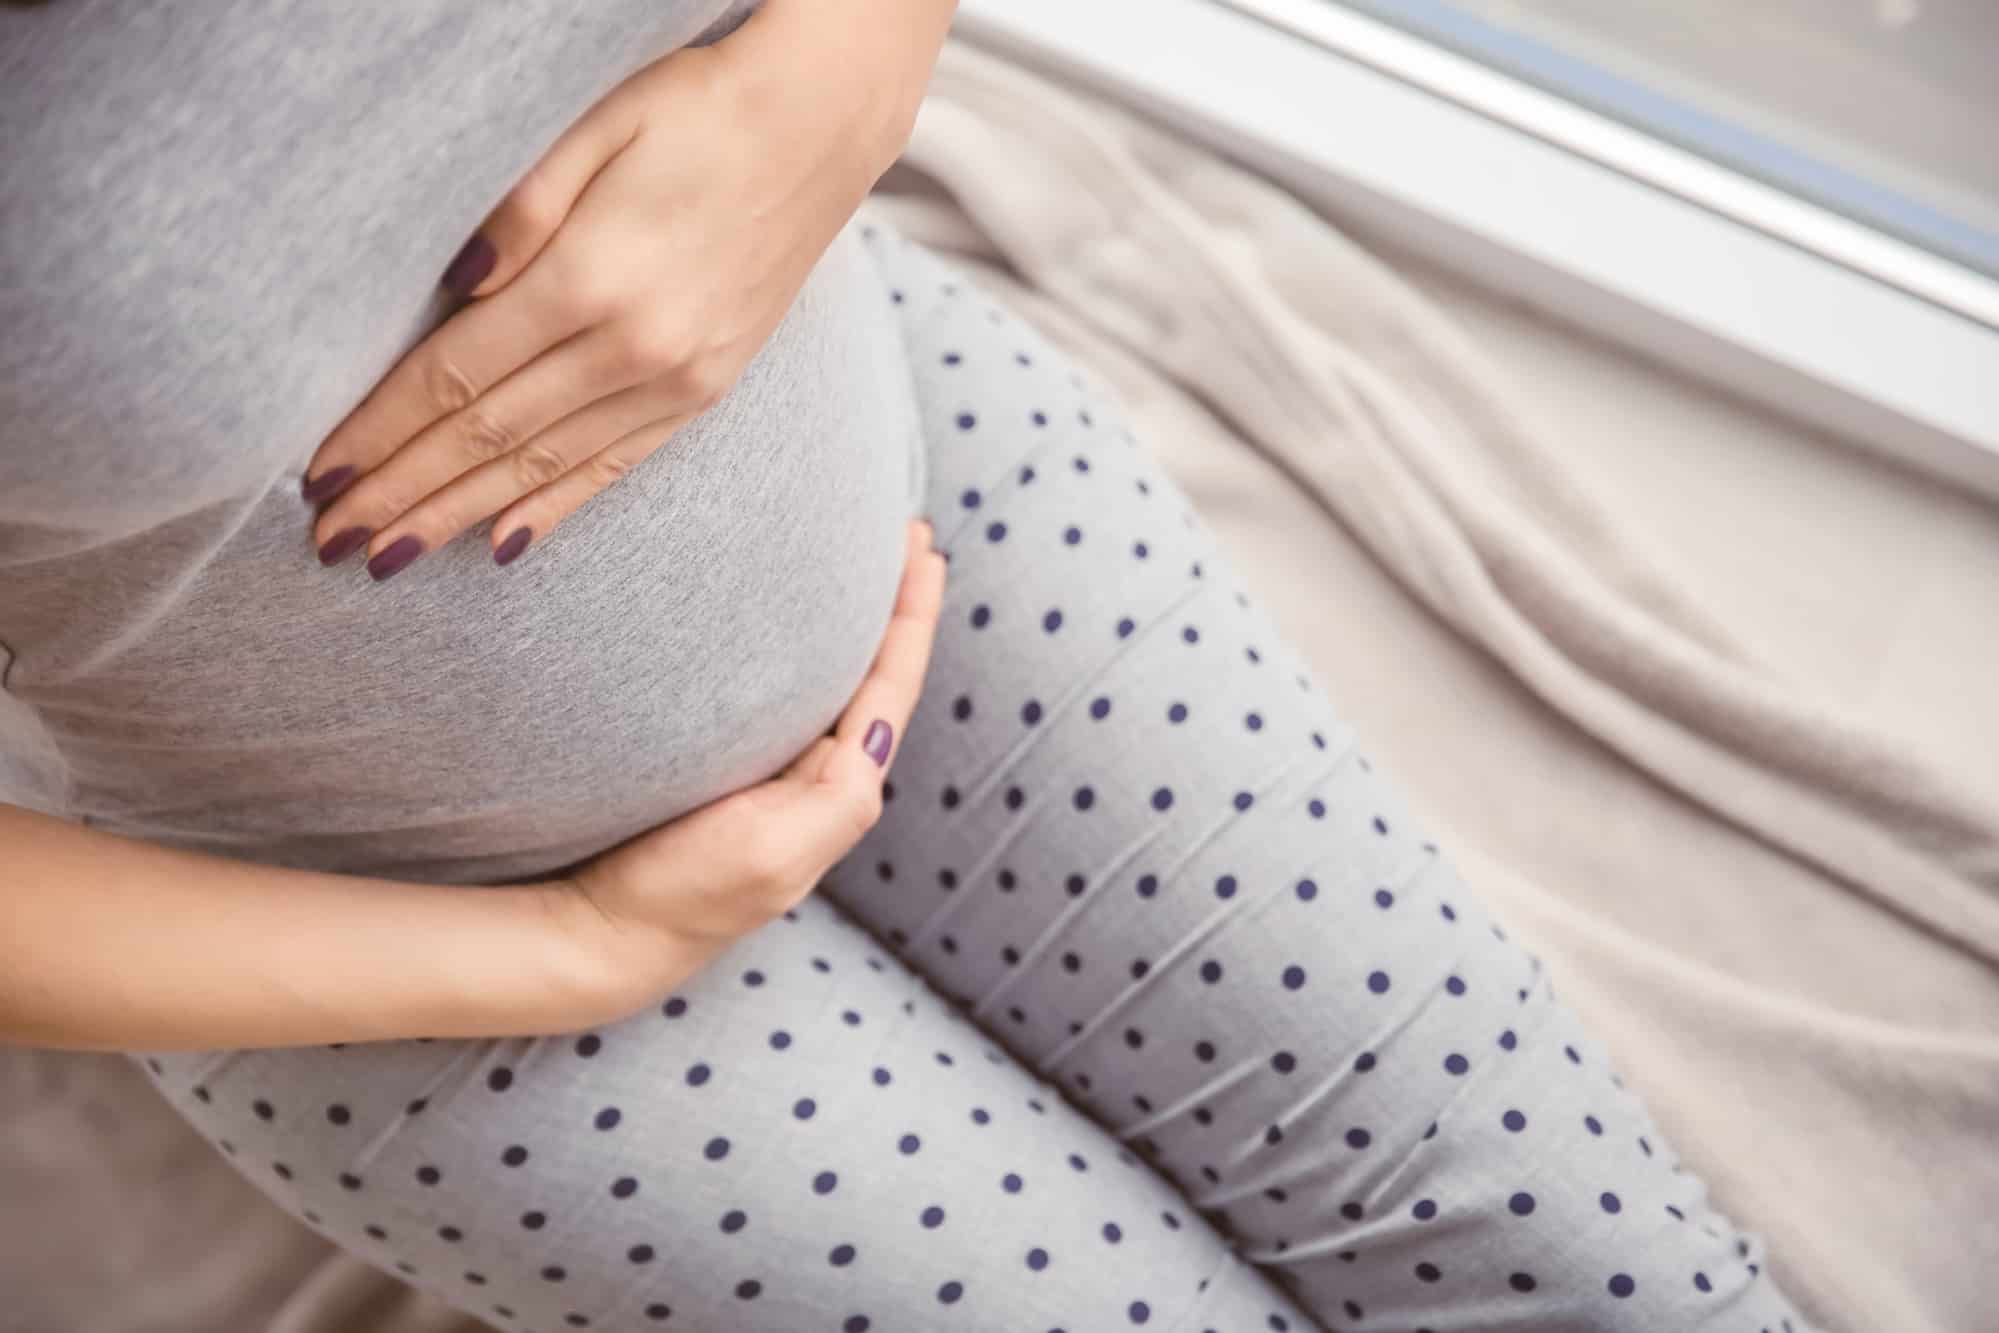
108,942
885,48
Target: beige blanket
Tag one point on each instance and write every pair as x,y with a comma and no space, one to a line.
1700,753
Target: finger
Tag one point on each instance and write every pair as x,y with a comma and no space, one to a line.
817,809
888,693
848,788
486,490
539,513
447,372
507,426
825,817
713,842
515,232
904,655
807,766
771,843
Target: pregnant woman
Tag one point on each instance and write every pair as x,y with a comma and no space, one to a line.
442,838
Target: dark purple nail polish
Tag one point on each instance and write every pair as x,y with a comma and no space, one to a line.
878,740
516,542
343,544
471,266
394,557
327,484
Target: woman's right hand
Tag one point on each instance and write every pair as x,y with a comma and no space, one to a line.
664,904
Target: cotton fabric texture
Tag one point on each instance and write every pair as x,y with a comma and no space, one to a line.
1183,1019
1657,913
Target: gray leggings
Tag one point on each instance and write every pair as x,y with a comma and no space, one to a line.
1146,1004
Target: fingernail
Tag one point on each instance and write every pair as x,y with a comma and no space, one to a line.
516,542
343,544
393,558
327,484
878,740
471,266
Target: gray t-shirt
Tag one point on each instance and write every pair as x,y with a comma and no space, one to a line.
219,225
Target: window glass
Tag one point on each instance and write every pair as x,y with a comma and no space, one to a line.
1887,110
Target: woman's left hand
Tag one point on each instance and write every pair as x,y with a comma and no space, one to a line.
626,281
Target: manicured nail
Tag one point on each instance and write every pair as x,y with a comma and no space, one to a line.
393,558
471,266
327,484
516,542
876,743
343,544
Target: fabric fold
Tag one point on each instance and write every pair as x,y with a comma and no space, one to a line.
1225,306
1077,202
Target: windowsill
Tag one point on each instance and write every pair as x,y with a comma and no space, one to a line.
1754,305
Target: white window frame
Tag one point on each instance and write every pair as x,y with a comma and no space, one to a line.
1722,276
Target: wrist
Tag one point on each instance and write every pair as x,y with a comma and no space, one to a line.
881,52
604,967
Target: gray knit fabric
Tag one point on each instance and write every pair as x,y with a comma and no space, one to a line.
219,226
1146,1004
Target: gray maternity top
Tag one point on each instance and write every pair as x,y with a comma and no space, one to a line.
210,249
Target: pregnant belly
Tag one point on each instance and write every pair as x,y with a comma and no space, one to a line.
683,635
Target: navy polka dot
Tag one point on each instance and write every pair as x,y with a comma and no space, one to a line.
1006,907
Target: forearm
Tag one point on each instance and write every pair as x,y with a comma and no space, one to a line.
885,49
107,942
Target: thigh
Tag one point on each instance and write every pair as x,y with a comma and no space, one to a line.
1131,835
804,1138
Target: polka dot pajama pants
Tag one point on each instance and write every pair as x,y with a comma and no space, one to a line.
1147,1004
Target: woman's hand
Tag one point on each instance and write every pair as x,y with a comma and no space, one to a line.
663,905
625,282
